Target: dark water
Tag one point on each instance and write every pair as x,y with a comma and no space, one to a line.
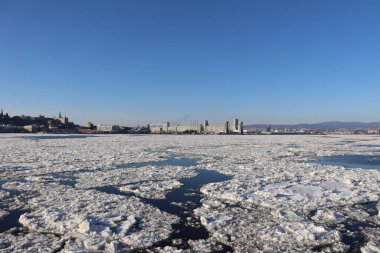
350,161
64,179
70,183
189,194
11,220
181,202
352,230
349,141
368,146
356,238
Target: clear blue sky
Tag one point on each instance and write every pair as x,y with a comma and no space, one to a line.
137,61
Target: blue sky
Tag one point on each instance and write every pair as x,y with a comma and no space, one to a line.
137,61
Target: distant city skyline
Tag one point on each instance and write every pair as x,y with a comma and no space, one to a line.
187,120
140,62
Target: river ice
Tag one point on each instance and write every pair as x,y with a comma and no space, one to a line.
276,201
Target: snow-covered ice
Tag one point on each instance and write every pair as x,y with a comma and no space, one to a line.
93,218
30,242
151,189
276,201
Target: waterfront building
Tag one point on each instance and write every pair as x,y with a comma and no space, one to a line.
194,127
373,131
3,116
90,125
235,125
63,120
165,126
108,128
31,128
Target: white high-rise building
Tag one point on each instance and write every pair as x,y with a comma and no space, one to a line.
235,126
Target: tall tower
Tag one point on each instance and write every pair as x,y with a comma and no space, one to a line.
236,125
205,126
241,128
227,127
166,126
2,113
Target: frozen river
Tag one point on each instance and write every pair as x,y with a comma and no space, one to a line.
167,193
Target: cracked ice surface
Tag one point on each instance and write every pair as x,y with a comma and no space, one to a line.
4,197
84,219
151,189
276,200
271,178
31,242
94,219
136,178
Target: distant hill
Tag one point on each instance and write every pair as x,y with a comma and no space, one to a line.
333,125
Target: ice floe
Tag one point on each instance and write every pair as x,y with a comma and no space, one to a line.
95,220
151,189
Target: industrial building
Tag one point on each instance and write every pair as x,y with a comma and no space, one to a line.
205,128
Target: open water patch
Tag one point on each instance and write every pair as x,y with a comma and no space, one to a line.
352,230
181,202
350,161
64,179
11,220
368,146
352,234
